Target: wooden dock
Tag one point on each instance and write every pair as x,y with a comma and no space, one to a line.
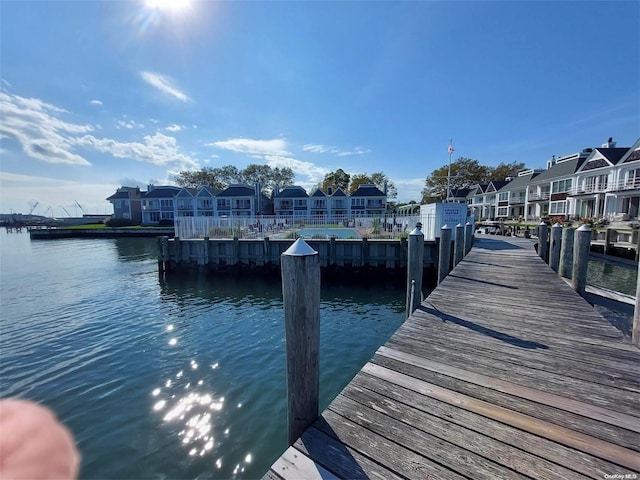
503,372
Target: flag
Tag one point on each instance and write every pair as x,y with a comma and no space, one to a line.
450,149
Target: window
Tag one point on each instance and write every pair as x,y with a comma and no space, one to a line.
503,197
118,204
166,203
299,203
357,202
633,178
558,208
503,211
561,186
154,216
224,203
166,215
206,203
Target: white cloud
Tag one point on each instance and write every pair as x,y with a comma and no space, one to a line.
129,124
317,148
164,84
157,149
42,135
276,146
409,189
307,174
174,128
96,102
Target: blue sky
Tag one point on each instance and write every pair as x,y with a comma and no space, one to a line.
95,95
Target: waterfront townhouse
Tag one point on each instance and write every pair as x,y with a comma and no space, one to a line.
291,201
479,203
598,179
338,202
205,202
241,200
158,204
625,195
318,203
368,200
484,199
185,203
127,204
512,197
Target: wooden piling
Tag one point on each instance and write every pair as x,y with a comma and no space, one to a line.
468,237
205,251
458,248
543,236
161,259
415,258
444,253
581,245
554,252
635,332
300,268
566,252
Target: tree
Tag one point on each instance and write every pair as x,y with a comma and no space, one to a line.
221,177
465,172
337,179
505,170
378,179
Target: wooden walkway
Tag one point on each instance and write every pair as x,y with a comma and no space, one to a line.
503,372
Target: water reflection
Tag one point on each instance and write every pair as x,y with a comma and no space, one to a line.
619,278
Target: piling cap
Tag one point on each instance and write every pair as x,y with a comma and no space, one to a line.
416,231
300,248
584,227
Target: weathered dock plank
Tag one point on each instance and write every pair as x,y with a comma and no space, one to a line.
502,372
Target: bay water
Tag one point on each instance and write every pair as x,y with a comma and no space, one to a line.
176,378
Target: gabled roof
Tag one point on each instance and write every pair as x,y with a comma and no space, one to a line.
292,191
481,188
603,157
125,193
560,170
368,190
498,184
187,192
207,191
460,192
518,182
632,154
238,191
318,193
339,193
162,192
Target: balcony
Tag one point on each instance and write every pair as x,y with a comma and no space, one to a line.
588,190
519,200
539,197
629,184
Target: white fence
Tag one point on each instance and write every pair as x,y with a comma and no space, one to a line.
317,227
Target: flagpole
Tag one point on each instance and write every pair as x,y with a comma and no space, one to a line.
449,172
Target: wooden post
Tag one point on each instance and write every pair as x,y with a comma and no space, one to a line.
581,245
205,251
468,237
236,251
161,259
415,260
554,253
266,251
332,250
444,255
300,267
608,233
365,252
566,252
177,247
458,249
165,253
543,235
635,332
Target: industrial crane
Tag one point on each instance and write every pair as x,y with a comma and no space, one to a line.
33,208
82,209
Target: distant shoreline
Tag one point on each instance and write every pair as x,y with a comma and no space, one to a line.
62,233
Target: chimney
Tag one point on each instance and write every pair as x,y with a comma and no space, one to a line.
150,187
610,143
329,191
385,189
552,162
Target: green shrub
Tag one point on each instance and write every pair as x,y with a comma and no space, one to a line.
115,222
